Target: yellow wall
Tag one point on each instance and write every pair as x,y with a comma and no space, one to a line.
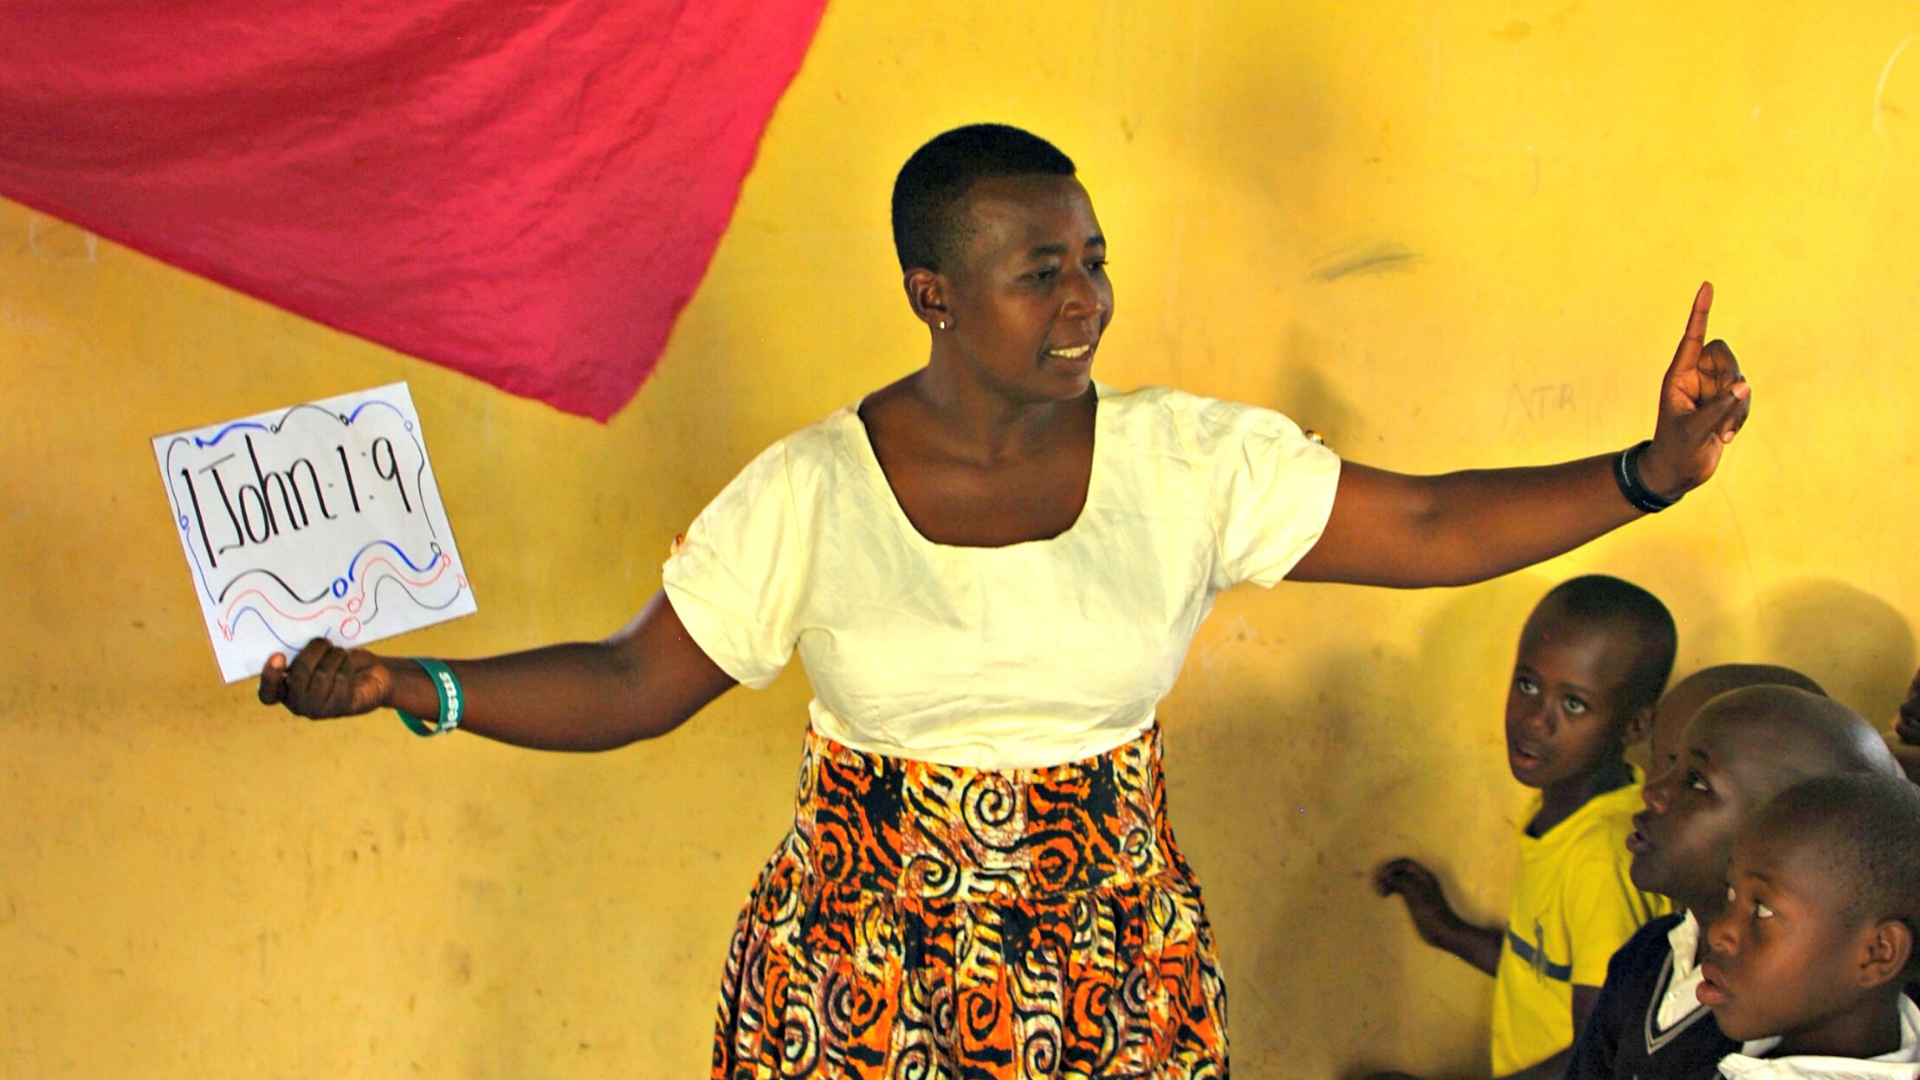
1443,233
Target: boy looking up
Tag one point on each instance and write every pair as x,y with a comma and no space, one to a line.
1739,751
1685,697
1593,658
1806,963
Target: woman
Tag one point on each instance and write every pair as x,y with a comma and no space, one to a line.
992,569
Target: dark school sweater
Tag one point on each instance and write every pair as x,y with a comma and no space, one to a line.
1620,1041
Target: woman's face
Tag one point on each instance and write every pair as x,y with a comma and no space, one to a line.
1028,297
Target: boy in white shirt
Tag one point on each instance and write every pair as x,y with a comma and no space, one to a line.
1806,964
1740,750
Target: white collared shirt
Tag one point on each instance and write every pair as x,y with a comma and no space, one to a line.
1681,998
1901,1064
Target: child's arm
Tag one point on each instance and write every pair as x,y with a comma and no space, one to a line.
1599,1030
1434,919
1556,1067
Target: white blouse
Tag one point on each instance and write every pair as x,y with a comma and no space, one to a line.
1028,655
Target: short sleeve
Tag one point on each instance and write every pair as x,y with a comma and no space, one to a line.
1603,911
1271,489
735,580
1597,1046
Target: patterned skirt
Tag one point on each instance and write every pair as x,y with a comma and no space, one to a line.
928,921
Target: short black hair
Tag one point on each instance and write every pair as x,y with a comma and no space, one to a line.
1796,735
928,213
1866,827
1711,682
1602,598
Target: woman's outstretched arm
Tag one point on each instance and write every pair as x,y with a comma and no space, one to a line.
640,683
1412,531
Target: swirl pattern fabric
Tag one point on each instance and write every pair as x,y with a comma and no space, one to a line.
934,921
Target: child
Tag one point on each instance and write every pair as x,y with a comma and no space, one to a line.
1684,698
1593,658
1806,963
1739,751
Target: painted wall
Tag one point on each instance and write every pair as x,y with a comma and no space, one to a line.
1445,234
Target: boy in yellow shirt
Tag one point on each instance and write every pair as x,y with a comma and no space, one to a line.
1593,659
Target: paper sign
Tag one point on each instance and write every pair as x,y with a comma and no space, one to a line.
321,520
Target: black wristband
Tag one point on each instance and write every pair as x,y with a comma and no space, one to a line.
1626,473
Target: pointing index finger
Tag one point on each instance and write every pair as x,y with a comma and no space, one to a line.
1697,321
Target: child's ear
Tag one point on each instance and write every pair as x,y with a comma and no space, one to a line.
1639,722
1889,946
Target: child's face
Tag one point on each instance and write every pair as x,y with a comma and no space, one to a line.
1683,840
1783,957
1563,712
1670,718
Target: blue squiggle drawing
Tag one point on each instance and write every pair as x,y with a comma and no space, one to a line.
234,626
222,433
339,586
365,405
352,571
273,428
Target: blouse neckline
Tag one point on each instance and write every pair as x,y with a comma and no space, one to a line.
870,465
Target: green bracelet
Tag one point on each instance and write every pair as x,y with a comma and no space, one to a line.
452,700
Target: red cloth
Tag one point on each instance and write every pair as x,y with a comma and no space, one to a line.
524,191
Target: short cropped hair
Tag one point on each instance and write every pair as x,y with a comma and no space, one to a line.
1711,682
1601,598
929,195
1867,829
1798,735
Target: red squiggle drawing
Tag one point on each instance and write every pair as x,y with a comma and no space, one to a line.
351,607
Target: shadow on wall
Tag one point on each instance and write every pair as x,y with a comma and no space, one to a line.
1300,782
1454,765
1856,645
1311,397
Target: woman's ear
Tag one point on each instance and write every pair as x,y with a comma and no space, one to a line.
1888,948
927,294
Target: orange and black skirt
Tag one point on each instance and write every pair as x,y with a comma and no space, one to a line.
929,921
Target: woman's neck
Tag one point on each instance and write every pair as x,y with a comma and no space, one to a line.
979,423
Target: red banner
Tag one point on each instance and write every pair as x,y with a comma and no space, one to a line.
527,192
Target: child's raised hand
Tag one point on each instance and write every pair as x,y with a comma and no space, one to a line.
1433,917
325,680
1406,877
1703,402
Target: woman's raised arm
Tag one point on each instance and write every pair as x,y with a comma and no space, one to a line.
1412,531
640,683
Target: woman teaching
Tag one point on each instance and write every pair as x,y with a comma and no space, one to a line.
992,570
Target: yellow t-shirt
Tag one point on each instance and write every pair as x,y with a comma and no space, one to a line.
1021,656
1573,906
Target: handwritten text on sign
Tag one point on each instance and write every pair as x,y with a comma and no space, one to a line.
318,520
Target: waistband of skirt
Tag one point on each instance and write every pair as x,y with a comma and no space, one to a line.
916,828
